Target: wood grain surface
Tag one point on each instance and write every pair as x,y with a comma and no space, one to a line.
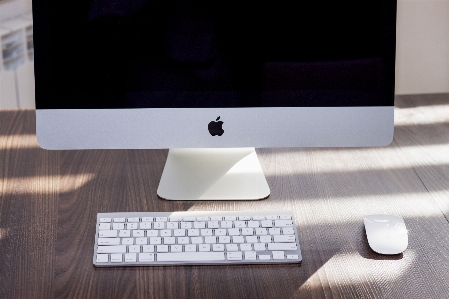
49,201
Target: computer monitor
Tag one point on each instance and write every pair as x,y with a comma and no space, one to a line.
213,80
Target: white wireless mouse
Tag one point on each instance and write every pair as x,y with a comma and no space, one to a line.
386,234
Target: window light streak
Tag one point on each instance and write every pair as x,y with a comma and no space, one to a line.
44,184
3,233
351,268
18,141
422,115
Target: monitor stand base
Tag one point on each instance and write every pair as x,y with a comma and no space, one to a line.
213,174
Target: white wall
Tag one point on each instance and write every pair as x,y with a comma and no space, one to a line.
422,51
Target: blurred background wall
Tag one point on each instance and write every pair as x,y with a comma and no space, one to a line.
422,53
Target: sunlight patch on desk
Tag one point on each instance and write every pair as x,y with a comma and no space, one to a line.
343,160
422,115
345,269
3,233
18,141
44,184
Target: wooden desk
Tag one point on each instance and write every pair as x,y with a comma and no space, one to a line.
49,201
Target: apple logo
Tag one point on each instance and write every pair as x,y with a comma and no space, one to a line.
215,127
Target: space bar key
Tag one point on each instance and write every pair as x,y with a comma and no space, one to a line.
190,256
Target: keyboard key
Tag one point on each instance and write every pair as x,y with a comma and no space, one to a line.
124,233
283,223
111,249
258,217
217,247
172,225
190,248
133,219
265,239
147,219
213,224
266,223
278,255
204,247
108,241
148,248
190,256
176,248
130,257
220,232
138,233
145,225
210,240
189,219
162,248
159,225
116,258
141,241
251,239
285,217
155,240
183,240
244,218
216,218
230,218
224,239
232,247
152,233
102,258
234,231
146,257
186,225
284,238
202,218
179,232
226,224
292,256
105,219
253,223
288,231
169,240
272,217
118,225
161,219
206,232
127,241
104,226
246,247
260,231
259,246
274,231
250,255
264,257
234,256
134,248
119,219
282,246
175,219
107,233
199,224
165,232
132,225
239,224
196,240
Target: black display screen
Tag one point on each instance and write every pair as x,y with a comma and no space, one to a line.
209,54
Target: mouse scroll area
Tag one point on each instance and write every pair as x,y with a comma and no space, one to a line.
386,234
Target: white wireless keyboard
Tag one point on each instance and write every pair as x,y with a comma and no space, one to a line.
195,238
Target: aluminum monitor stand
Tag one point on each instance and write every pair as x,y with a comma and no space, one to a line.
213,174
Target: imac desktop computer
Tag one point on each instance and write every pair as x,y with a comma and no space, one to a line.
211,81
